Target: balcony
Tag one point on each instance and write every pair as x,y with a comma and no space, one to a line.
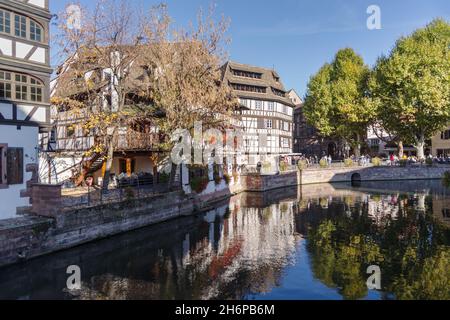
127,140
130,140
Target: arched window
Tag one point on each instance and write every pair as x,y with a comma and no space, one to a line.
22,26
21,87
35,31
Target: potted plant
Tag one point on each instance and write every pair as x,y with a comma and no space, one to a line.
323,163
376,162
348,162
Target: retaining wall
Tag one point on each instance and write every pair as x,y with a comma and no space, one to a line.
27,237
314,176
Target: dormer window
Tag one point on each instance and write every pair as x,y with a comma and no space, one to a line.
278,92
276,77
246,74
249,88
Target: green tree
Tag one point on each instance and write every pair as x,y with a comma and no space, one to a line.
411,86
337,102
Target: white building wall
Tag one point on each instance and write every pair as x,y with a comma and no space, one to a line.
266,140
26,138
39,3
60,168
23,50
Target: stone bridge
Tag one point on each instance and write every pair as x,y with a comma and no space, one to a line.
261,183
355,174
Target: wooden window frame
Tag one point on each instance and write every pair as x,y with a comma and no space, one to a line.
5,82
33,29
20,26
6,21
23,87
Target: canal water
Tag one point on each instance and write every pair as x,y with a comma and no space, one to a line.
315,242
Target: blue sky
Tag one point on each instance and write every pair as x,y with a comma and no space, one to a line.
296,37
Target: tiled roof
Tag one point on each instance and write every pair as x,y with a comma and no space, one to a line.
269,80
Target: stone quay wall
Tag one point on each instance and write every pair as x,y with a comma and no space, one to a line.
263,183
315,176
53,229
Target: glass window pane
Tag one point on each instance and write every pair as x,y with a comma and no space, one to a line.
5,21
20,26
18,92
2,22
39,94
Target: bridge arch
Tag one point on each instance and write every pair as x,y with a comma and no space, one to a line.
356,179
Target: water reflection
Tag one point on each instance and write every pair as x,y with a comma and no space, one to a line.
315,242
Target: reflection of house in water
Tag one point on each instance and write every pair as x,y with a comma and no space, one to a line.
230,252
240,249
441,209
256,242
382,206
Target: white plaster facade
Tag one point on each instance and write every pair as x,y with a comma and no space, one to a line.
26,138
24,98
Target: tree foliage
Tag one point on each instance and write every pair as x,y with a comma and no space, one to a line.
411,86
127,66
337,100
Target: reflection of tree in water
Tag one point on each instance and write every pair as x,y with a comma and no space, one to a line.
412,250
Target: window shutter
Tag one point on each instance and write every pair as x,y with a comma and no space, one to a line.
14,165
